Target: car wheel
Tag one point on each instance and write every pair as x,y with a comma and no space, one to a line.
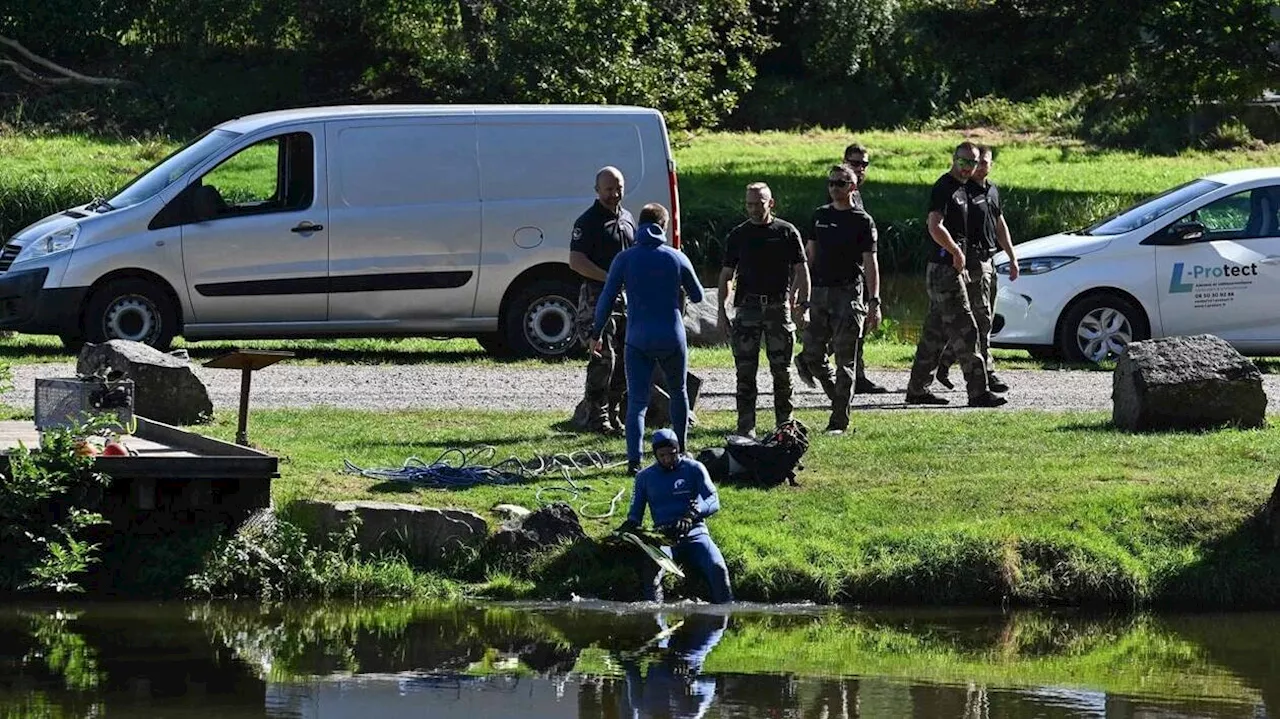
131,309
541,320
1100,328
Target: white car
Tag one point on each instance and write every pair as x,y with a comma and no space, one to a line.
1203,257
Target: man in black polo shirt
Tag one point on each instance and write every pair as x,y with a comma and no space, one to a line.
988,224
950,320
859,158
842,260
599,234
770,295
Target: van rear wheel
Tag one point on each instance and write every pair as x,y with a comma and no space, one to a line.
541,320
131,309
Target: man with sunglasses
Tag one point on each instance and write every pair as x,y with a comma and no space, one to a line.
770,295
842,262
950,321
859,158
992,232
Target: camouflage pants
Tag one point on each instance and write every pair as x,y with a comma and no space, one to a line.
836,318
982,298
606,375
949,324
824,368
771,324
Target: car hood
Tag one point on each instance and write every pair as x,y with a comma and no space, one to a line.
40,228
1061,244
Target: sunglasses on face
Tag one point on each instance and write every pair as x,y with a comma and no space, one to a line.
838,183
966,162
858,163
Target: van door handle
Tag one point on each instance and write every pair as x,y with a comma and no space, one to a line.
307,227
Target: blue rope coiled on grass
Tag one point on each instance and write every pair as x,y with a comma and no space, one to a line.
476,468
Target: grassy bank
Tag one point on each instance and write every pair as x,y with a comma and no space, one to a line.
933,507
1050,184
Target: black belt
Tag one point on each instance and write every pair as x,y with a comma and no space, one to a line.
760,299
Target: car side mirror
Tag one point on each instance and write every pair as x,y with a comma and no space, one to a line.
1185,233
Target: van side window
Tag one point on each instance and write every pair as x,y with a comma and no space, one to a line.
273,175
1245,215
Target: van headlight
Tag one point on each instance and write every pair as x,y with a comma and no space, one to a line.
52,243
1036,265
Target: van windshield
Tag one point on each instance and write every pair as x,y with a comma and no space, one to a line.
1151,209
150,183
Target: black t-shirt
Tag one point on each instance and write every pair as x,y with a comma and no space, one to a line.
763,255
950,198
840,238
984,211
601,235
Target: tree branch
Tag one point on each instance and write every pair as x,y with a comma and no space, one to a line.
69,76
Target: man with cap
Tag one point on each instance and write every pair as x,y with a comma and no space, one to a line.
653,274
680,496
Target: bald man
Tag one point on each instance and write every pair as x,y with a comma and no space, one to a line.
602,232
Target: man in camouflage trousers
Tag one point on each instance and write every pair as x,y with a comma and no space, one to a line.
602,232
771,294
842,262
950,322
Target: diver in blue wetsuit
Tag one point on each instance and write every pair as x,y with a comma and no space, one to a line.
653,274
680,496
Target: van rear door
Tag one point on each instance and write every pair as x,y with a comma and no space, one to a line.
256,248
404,238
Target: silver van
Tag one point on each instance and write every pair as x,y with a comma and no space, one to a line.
358,221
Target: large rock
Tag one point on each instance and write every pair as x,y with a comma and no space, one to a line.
554,524
700,320
164,386
1186,383
424,534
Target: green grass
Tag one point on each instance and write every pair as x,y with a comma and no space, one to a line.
941,507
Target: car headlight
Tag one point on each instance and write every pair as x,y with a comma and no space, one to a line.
52,243
1036,265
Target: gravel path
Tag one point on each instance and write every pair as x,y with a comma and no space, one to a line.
560,387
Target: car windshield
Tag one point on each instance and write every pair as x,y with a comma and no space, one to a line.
1151,209
150,183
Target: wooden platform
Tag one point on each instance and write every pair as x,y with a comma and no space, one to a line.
176,476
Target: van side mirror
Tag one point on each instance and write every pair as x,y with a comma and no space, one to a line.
1185,233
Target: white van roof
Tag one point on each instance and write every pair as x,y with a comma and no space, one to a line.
1232,177
250,123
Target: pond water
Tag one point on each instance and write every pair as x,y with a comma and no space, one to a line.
611,660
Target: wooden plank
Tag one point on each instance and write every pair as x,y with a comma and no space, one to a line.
178,438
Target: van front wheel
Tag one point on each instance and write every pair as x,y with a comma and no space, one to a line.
131,309
541,320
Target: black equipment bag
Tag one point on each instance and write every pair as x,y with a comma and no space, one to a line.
766,462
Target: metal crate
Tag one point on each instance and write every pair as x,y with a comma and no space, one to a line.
61,401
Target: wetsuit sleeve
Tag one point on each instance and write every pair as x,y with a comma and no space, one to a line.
708,501
689,278
612,286
638,500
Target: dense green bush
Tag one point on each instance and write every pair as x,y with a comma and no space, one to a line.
47,504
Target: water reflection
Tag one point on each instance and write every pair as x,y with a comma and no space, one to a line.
226,660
